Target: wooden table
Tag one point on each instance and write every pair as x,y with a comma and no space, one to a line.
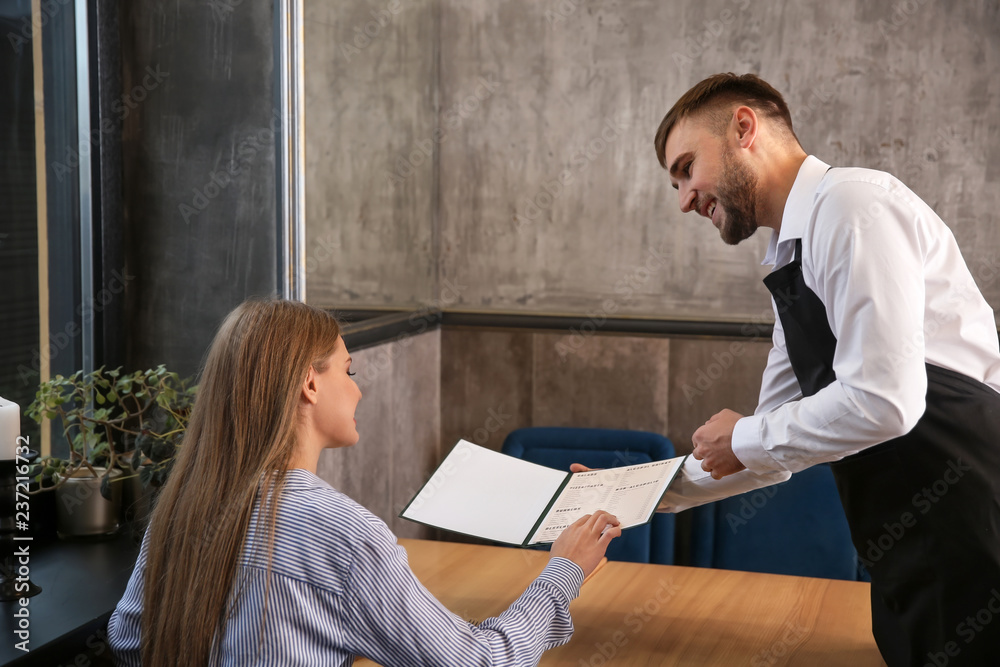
631,614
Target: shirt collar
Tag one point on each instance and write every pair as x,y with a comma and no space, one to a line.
797,206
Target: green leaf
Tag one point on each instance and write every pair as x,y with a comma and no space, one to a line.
146,475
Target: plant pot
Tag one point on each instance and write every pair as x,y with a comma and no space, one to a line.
81,510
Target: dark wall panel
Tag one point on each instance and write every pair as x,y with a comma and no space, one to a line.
200,178
18,211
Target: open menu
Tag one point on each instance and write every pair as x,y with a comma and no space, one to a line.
486,494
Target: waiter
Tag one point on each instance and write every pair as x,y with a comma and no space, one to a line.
885,362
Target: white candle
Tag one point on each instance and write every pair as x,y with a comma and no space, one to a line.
10,428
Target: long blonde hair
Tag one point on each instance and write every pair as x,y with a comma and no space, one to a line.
238,444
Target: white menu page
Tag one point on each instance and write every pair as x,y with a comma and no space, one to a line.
480,492
631,493
483,493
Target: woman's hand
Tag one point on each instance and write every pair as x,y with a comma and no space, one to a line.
586,540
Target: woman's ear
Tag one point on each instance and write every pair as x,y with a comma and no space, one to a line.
310,393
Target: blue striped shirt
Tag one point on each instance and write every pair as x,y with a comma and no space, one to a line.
341,586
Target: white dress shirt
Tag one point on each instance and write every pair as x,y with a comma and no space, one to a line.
897,294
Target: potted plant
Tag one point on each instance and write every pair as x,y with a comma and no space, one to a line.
121,429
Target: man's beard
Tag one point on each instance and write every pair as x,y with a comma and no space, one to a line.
738,198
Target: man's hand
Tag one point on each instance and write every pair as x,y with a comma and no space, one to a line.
713,445
586,540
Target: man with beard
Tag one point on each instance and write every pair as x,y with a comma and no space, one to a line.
885,362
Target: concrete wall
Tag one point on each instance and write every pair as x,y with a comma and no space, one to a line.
549,197
493,382
370,156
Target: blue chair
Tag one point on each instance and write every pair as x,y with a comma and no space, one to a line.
797,527
604,448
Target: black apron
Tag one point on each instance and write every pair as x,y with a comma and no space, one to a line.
924,508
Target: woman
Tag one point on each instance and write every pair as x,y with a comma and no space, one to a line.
251,559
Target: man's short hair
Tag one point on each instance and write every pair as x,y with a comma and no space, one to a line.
715,97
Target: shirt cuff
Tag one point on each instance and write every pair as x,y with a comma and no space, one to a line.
565,575
748,447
